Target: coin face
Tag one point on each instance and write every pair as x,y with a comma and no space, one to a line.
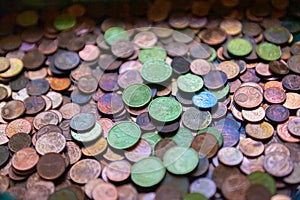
85,170
12,110
51,166
248,97
51,142
282,166
230,156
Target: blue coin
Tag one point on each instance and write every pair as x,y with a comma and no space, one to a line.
204,100
231,136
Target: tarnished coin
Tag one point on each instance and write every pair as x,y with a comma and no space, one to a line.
118,170
195,119
278,164
4,154
105,191
73,151
203,186
122,48
248,97
212,36
294,126
215,79
19,141
251,148
12,110
260,131
230,68
255,115
34,104
277,113
205,143
51,166
94,149
274,95
89,53
256,191
142,149
283,133
45,118
110,104
145,39
25,159
82,122
291,82
18,126
51,142
85,170
230,156
235,186
67,60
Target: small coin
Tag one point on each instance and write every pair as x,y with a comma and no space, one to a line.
145,39
274,95
204,100
105,191
18,126
156,71
37,87
51,166
89,53
231,26
189,83
195,119
250,165
268,51
239,47
204,186
277,164
64,22
215,79
66,60
278,67
96,148
205,143
137,95
235,186
277,35
115,34
230,156
248,97
176,49
118,170
82,122
12,110
292,101
251,148
85,170
200,67
129,77
51,142
110,104
260,131
45,118
212,36
19,141
34,104
277,113
25,159
88,135
255,115
291,82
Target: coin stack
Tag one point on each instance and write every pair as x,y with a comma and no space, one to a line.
188,100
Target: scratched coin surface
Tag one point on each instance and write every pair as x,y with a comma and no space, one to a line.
248,97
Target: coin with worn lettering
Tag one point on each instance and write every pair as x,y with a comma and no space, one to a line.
105,191
45,118
19,141
51,142
248,97
195,119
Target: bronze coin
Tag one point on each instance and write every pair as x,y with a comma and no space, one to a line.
110,104
248,97
294,126
212,36
258,191
251,148
19,141
176,49
262,131
277,113
4,64
278,164
291,82
263,70
87,84
200,67
235,187
163,146
283,133
48,46
293,63
200,51
32,34
122,49
145,39
251,29
45,118
278,67
10,42
25,159
221,172
249,76
4,154
37,87
128,78
109,82
33,59
18,126
3,93
12,110
105,191
205,143
17,192
108,62
142,149
3,138
34,104
76,44
68,110
73,151
51,166
85,170
118,170
59,84
4,183
274,95
51,142
168,192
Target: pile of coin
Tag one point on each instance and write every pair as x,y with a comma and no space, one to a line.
189,101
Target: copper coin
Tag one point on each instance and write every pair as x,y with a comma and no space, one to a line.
122,49
249,76
180,65
263,70
260,131
291,82
251,147
33,59
235,186
294,126
59,84
66,130
89,186
144,122
142,149
37,192
18,126
277,147
48,46
200,67
283,133
47,129
274,95
230,68
163,146
105,191
37,87
248,97
293,178
51,142
45,118
251,29
293,63
48,102
108,82
85,170
255,115
17,192
12,110
106,125
234,85
4,154
278,164
73,151
19,141
110,104
51,166
87,84
34,104
4,183
145,39
128,78
167,192
215,79
250,165
212,36
278,67
258,191
108,62
32,34
89,53
25,159
76,44
277,113
118,170
230,156
221,172
10,42
205,143
4,64
292,101
69,110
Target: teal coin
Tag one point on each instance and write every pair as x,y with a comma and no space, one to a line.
180,160
221,93
205,100
124,135
153,53
156,71
213,55
189,83
148,172
239,47
164,109
137,95
183,137
268,51
195,196
89,135
264,179
64,22
82,122
152,138
115,34
214,132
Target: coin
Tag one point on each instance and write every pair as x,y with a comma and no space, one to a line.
291,82
37,87
64,22
25,159
274,95
89,52
278,67
277,164
277,35
235,186
200,67
82,122
283,133
18,126
189,83
12,110
45,118
105,191
204,100
195,119
145,39
115,34
239,47
118,170
212,36
110,104
156,71
215,79
34,104
260,131
230,156
51,166
33,59
85,170
251,148
205,143
258,191
137,95
88,135
204,186
248,97
66,60
4,154
255,115
277,113
51,142
19,141
292,101
268,51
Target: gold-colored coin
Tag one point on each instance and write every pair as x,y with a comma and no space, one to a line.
96,148
16,66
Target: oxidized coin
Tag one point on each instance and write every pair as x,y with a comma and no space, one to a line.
105,191
34,104
164,109
239,47
85,170
137,95
167,192
248,97
87,84
51,166
221,172
195,119
251,147
25,159
278,67
118,170
51,142
294,126
4,154
294,177
37,87
19,141
82,122
33,59
215,79
258,191
277,35
205,143
67,60
110,104
200,67
94,149
274,95
278,164
142,149
205,100
189,83
235,186
73,151
18,126
122,48
12,110
161,146
291,82
204,186
109,82
230,68
156,71
59,84
145,39
230,156
212,36
268,51
68,110
277,113
129,77
45,118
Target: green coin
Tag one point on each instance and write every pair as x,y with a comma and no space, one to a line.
213,55
137,95
214,132
180,160
239,47
64,22
153,53
164,109
189,83
195,196
152,138
264,179
196,119
124,135
156,71
148,172
221,93
27,18
88,136
183,137
115,34
64,193
268,51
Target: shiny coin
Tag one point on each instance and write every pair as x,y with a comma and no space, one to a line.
204,100
51,142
